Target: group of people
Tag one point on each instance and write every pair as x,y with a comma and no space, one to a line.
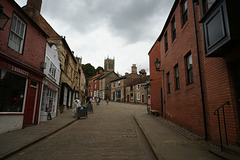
77,103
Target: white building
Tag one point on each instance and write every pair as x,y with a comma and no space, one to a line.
50,87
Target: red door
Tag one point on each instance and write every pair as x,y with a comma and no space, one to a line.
127,98
142,98
30,105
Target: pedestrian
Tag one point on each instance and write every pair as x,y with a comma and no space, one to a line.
107,100
77,103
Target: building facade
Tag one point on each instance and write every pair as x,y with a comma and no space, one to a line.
22,51
136,91
199,67
118,86
70,75
50,87
105,84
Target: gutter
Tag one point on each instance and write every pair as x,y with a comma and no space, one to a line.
200,72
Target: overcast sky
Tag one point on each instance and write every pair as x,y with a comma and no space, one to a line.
97,29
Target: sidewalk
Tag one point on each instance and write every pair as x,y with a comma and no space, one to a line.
13,142
168,143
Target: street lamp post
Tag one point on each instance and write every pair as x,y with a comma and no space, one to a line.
157,66
3,18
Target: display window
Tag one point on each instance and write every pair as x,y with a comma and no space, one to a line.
48,100
12,92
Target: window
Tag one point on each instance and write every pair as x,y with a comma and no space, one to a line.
138,86
205,5
184,11
119,83
12,92
131,88
138,96
52,70
113,85
177,82
166,42
168,83
17,34
189,69
173,29
131,96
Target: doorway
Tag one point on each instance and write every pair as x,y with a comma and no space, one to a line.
30,107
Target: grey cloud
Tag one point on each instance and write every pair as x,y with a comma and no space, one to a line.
129,19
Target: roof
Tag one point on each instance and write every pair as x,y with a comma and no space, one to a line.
139,81
34,23
107,74
168,19
96,77
44,25
120,78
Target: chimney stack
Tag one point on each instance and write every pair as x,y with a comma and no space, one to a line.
36,4
134,69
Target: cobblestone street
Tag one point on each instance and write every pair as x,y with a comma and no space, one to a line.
109,133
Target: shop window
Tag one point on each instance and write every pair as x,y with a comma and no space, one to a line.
12,92
17,34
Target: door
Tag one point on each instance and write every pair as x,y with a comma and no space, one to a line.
31,104
142,98
127,98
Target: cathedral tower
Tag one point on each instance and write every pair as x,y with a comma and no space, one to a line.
109,64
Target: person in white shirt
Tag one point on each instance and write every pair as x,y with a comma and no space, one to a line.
76,104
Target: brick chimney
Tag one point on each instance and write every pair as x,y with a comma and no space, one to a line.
134,69
35,4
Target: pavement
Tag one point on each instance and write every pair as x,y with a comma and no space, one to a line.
166,142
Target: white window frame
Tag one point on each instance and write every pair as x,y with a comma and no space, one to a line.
52,70
119,83
17,34
138,96
138,86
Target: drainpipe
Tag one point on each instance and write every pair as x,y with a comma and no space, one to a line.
200,72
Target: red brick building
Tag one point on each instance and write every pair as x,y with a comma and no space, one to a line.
22,51
199,69
93,86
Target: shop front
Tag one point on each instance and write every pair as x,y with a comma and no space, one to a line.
19,94
49,100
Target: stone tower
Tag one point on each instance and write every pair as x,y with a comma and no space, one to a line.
109,65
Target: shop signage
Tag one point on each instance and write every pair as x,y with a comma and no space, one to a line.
18,70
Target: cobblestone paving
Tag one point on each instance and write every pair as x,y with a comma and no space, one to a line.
109,133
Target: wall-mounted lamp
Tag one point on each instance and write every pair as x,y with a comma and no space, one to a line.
157,64
3,18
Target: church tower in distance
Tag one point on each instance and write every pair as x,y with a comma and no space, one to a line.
109,65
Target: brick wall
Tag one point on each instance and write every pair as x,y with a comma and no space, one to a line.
155,78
